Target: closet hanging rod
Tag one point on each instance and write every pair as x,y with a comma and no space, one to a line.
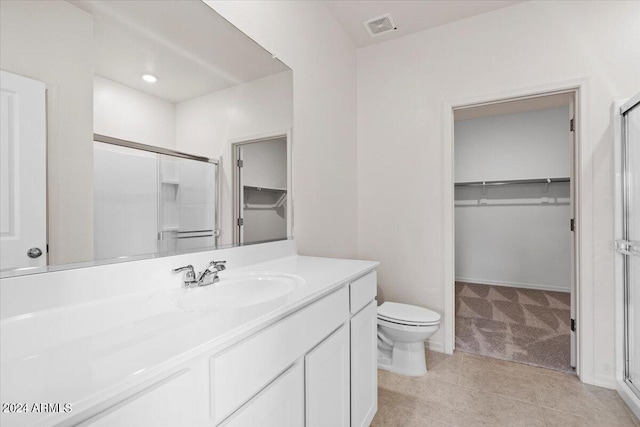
511,181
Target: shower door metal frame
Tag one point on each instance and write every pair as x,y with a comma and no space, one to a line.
624,246
168,152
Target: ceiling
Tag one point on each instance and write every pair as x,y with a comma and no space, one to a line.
409,16
190,48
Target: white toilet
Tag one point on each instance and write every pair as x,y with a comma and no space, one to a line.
402,330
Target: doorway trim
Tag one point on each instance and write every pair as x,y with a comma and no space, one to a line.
233,146
583,202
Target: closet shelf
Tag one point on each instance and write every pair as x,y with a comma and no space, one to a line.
254,187
511,182
281,200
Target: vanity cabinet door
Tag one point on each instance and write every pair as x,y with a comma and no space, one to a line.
280,404
327,382
364,366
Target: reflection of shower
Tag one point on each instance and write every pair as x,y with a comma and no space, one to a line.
187,201
149,200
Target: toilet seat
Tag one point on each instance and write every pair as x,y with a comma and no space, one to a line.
406,314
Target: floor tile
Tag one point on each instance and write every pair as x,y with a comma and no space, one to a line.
444,367
475,408
501,382
493,392
519,369
424,388
633,417
397,408
582,400
555,418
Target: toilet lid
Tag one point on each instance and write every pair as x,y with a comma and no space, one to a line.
406,313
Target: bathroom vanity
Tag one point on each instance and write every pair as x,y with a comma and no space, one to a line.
298,349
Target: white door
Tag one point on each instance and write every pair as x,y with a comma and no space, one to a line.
364,366
327,382
23,183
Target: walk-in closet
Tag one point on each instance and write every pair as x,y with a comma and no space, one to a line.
513,239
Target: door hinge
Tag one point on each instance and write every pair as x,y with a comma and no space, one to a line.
47,248
572,125
240,221
240,163
572,226
573,325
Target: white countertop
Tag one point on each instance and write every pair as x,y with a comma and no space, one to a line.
87,353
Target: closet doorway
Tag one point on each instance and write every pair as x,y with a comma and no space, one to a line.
514,223
262,189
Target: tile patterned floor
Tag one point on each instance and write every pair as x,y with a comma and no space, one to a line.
524,325
471,390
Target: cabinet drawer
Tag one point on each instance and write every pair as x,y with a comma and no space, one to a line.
362,291
280,404
262,357
170,402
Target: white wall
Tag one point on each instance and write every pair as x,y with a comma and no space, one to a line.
52,42
125,113
265,163
403,86
519,235
206,125
306,37
533,144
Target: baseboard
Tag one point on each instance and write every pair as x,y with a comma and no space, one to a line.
605,381
438,347
629,397
512,284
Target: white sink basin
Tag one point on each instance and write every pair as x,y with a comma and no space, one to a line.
232,291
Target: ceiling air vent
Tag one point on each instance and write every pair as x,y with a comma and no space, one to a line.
380,25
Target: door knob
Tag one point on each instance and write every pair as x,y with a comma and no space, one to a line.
34,252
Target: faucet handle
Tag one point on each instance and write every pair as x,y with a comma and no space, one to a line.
189,274
219,265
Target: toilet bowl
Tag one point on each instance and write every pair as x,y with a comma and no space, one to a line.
402,330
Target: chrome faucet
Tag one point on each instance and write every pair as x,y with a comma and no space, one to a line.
214,268
207,277
189,276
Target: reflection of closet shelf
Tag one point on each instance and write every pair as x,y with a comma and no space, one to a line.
275,205
511,182
256,188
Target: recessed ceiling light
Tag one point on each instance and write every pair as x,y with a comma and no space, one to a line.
149,78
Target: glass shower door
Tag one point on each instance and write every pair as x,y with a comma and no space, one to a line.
187,204
629,245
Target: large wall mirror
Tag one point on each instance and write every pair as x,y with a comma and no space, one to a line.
137,128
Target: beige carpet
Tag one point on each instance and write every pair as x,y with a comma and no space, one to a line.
523,325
